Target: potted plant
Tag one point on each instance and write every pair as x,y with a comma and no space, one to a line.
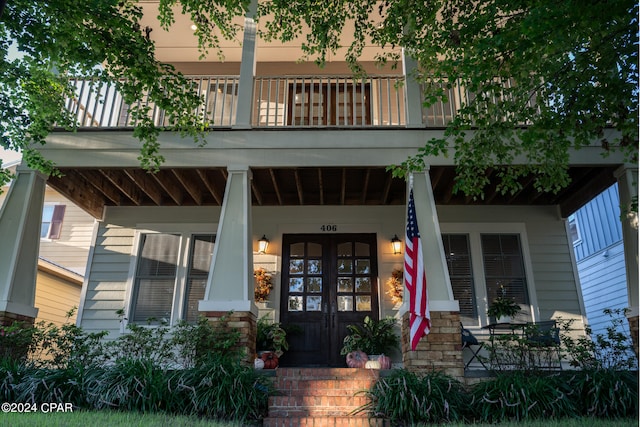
271,342
371,338
502,309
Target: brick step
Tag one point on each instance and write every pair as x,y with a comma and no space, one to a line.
322,387
326,373
298,406
325,422
320,392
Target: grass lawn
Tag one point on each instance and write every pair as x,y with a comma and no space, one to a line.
131,419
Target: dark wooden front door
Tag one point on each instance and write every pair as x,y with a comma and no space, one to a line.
329,281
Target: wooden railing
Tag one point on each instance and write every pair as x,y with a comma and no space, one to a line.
278,101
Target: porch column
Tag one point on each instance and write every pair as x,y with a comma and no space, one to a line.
628,188
230,284
20,221
441,349
247,71
412,92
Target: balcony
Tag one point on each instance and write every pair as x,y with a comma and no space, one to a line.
278,102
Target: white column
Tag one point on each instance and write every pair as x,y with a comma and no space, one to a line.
230,285
412,94
628,188
439,288
20,221
247,71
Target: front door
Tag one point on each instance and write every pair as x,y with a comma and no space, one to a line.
329,281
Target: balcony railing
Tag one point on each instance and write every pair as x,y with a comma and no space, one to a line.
284,101
100,105
340,101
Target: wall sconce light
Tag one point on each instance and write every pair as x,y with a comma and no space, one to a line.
396,244
263,244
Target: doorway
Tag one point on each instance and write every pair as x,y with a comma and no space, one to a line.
329,281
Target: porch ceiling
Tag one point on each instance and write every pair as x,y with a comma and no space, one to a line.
93,188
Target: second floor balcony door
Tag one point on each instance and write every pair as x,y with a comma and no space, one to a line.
329,281
323,104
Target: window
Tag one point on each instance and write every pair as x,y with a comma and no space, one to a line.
170,276
504,267
51,225
574,230
481,267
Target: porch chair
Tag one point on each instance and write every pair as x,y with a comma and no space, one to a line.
543,341
469,340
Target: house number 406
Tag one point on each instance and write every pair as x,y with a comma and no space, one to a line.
329,227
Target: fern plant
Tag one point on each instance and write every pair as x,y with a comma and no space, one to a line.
372,337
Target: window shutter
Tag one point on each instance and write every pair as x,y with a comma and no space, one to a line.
56,221
458,254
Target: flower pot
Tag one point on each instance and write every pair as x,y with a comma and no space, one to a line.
262,305
503,319
378,361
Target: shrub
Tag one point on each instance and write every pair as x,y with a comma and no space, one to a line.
61,347
151,344
130,384
12,373
45,385
612,350
198,343
605,393
220,390
518,396
404,397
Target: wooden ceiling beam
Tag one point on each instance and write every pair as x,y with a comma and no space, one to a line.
320,186
436,175
123,183
146,184
204,177
75,188
588,189
343,191
97,181
299,188
387,189
365,186
168,186
276,187
256,192
188,183
527,185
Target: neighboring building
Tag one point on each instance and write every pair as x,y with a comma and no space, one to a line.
299,154
596,232
65,237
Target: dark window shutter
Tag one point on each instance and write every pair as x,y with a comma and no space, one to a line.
56,221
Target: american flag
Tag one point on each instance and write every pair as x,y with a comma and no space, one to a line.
415,279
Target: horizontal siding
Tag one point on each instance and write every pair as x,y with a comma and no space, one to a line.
604,285
107,280
54,298
555,284
599,223
72,248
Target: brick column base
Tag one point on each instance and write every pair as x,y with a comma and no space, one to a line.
245,322
441,350
15,347
633,328
7,319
